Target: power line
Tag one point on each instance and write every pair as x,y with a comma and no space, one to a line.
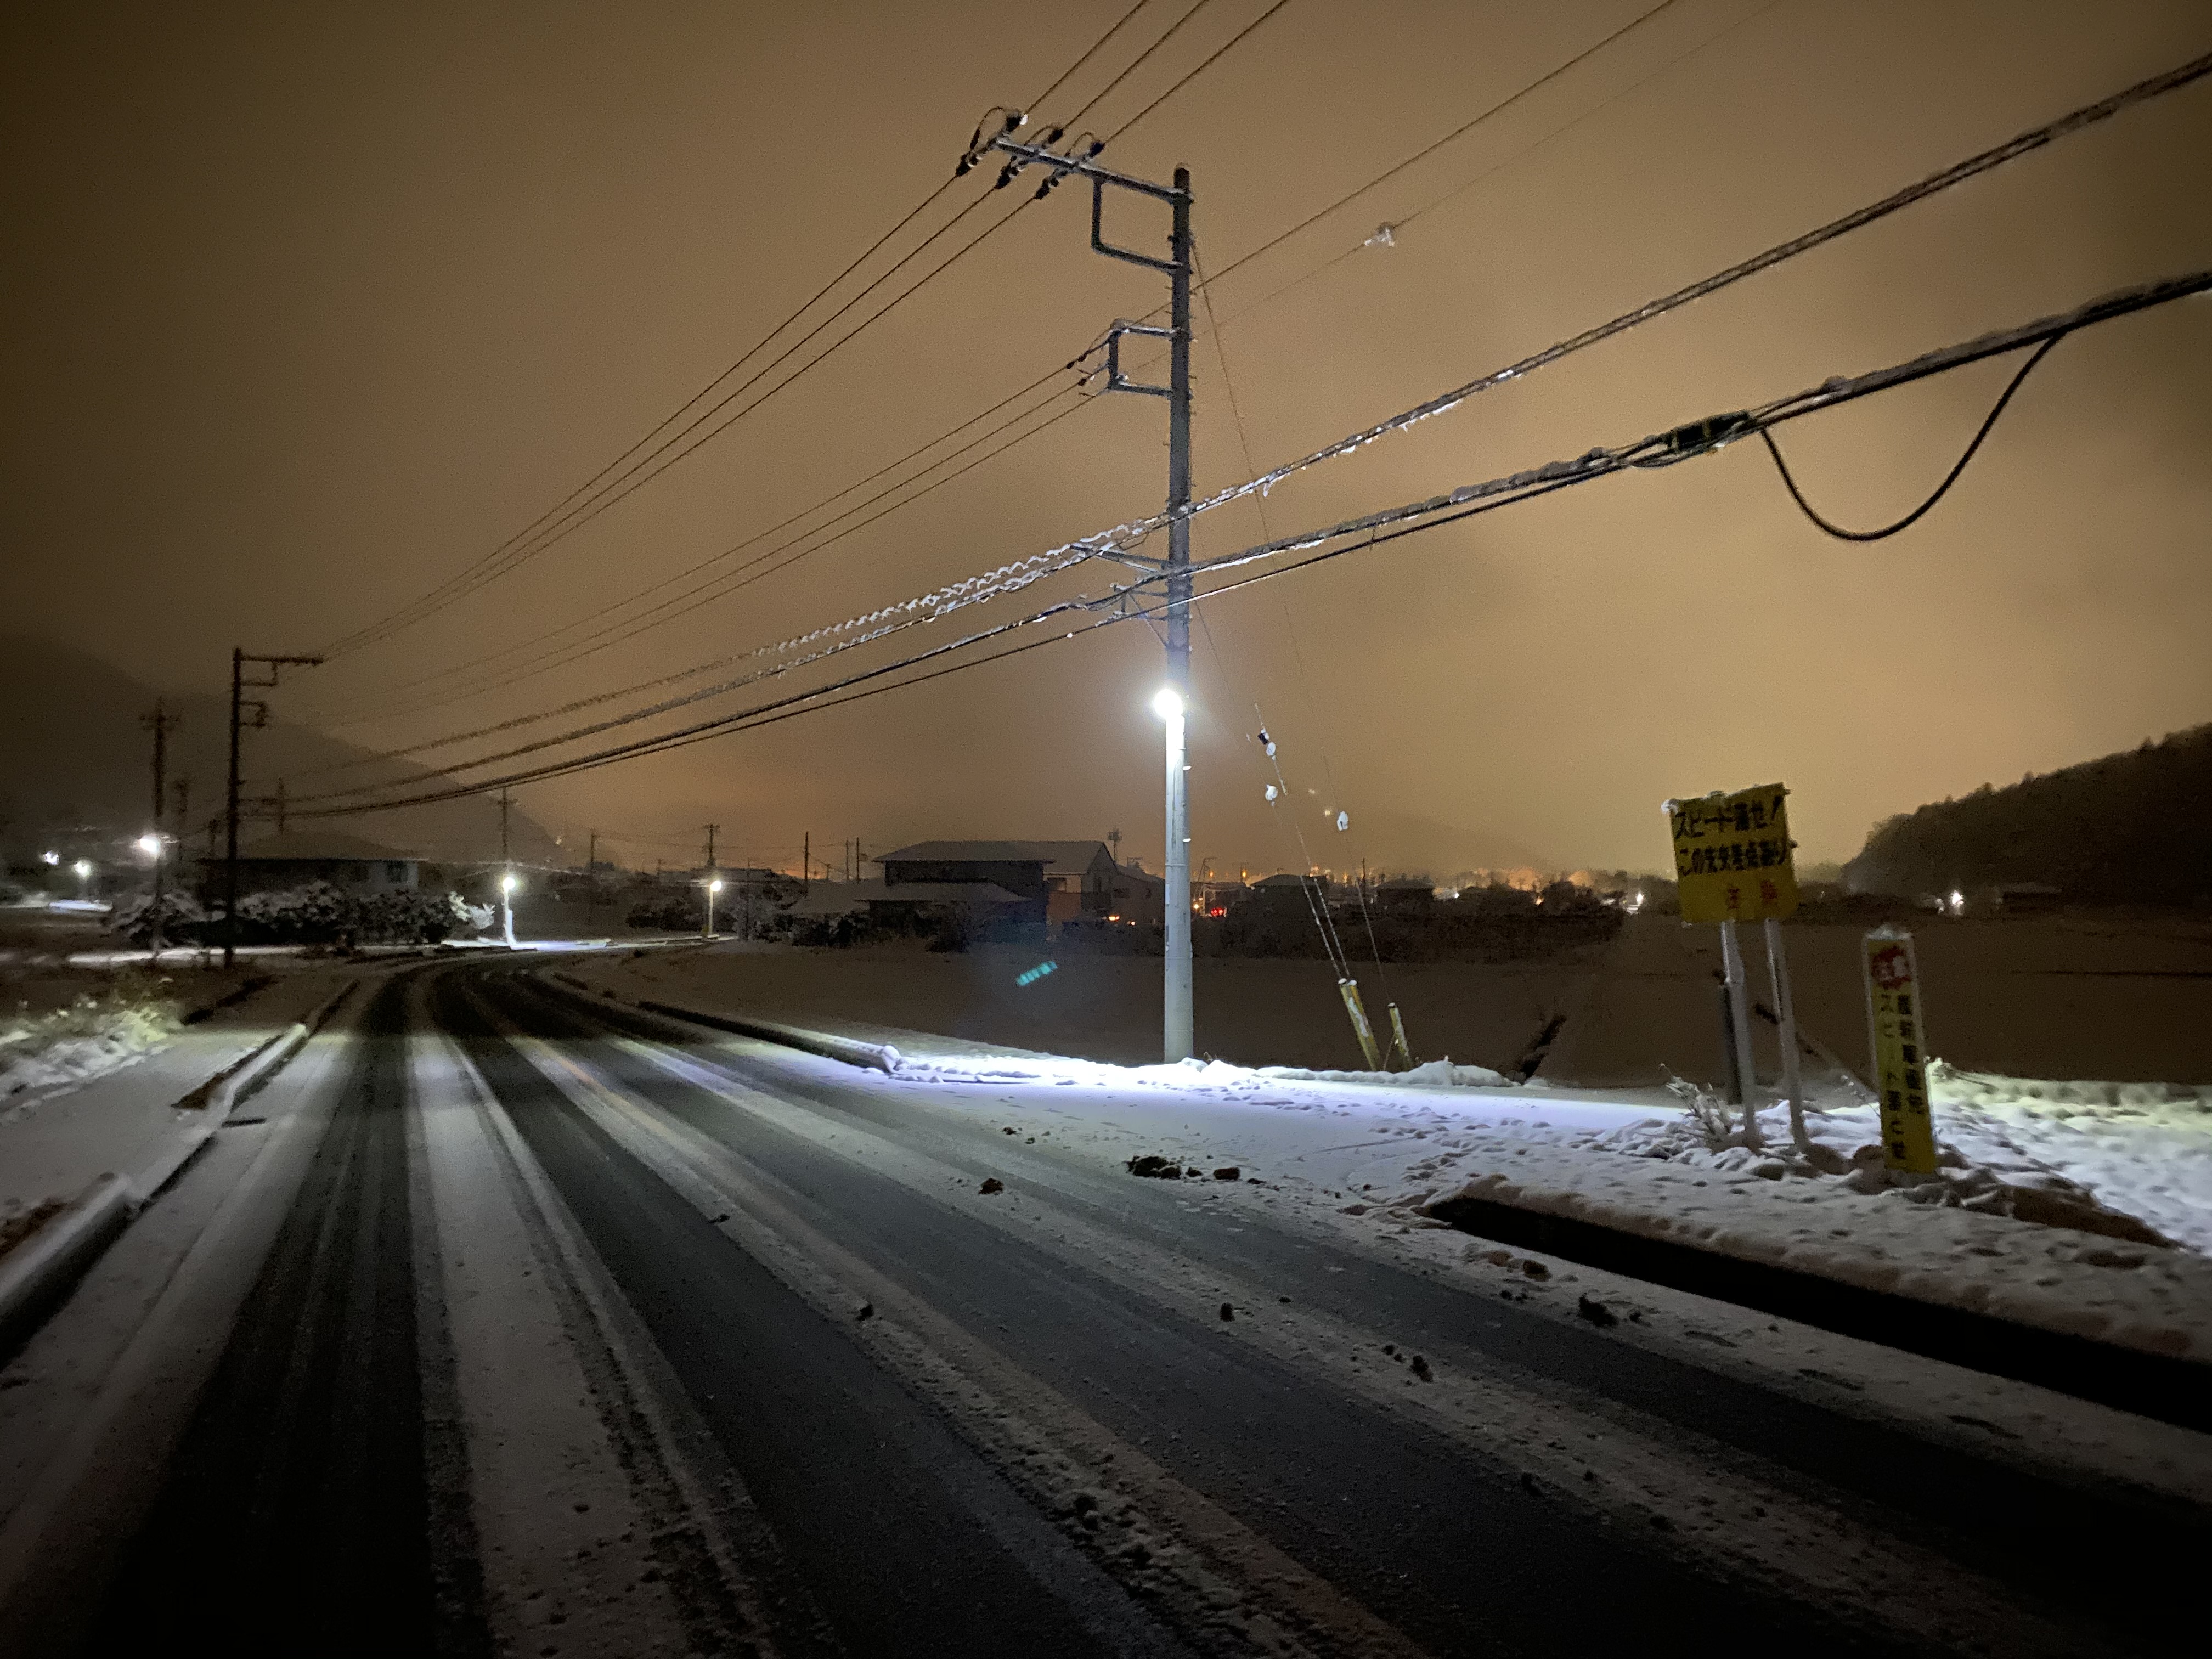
1941,489
2034,139
608,634
1456,133
1107,91
1233,41
413,611
1681,443
1127,536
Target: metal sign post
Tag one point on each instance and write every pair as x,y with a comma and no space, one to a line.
1785,1015
1732,863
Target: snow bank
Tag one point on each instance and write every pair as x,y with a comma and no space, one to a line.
1182,1076
2157,1300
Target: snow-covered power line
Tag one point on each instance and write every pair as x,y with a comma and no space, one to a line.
1974,166
1678,443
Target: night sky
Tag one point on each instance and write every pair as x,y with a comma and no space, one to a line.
309,307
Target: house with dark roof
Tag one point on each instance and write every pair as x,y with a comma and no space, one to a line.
295,857
1054,880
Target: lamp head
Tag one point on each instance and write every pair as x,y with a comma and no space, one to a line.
1167,703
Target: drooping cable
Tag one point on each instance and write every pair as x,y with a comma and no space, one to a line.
1941,489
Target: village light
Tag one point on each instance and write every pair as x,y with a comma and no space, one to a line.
507,884
150,845
714,886
1167,704
51,858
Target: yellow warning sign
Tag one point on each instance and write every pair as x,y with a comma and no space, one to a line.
1894,1021
1732,856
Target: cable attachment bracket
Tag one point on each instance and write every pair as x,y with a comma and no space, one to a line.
1117,382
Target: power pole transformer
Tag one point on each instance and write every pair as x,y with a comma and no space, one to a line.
1080,157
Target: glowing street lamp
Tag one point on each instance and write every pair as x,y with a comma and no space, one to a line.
150,845
714,886
51,858
83,868
507,884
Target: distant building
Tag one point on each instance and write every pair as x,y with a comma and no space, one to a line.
295,857
1137,898
1406,896
1054,880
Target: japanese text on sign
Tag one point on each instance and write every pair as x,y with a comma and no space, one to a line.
1895,1022
1732,856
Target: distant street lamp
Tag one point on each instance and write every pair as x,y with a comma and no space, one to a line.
712,888
83,868
51,858
507,884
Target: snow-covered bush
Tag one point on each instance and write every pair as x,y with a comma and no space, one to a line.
319,914
182,920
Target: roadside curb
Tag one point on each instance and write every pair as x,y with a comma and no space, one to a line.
872,1056
2167,1388
36,1274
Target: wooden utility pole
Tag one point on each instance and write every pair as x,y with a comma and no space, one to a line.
160,723
239,704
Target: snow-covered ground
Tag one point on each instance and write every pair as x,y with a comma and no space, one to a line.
2048,1206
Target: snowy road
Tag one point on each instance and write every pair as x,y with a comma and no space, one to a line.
508,1325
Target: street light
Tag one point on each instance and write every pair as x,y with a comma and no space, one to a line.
150,845
51,858
507,884
83,868
713,887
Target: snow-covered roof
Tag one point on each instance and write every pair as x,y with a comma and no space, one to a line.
304,844
1060,857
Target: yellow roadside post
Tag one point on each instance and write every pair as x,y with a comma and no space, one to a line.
1733,863
1897,1030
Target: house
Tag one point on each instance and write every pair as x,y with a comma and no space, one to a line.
294,857
1056,880
1288,893
1138,899
1405,895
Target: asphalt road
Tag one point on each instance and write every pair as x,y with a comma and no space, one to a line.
577,1338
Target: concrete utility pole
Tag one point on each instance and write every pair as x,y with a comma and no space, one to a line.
592,879
712,883
160,723
1172,703
506,871
239,704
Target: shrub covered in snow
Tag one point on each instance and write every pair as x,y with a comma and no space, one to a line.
319,914
182,920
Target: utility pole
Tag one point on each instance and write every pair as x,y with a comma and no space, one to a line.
805,860
506,871
712,884
592,879
160,724
239,704
1174,699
